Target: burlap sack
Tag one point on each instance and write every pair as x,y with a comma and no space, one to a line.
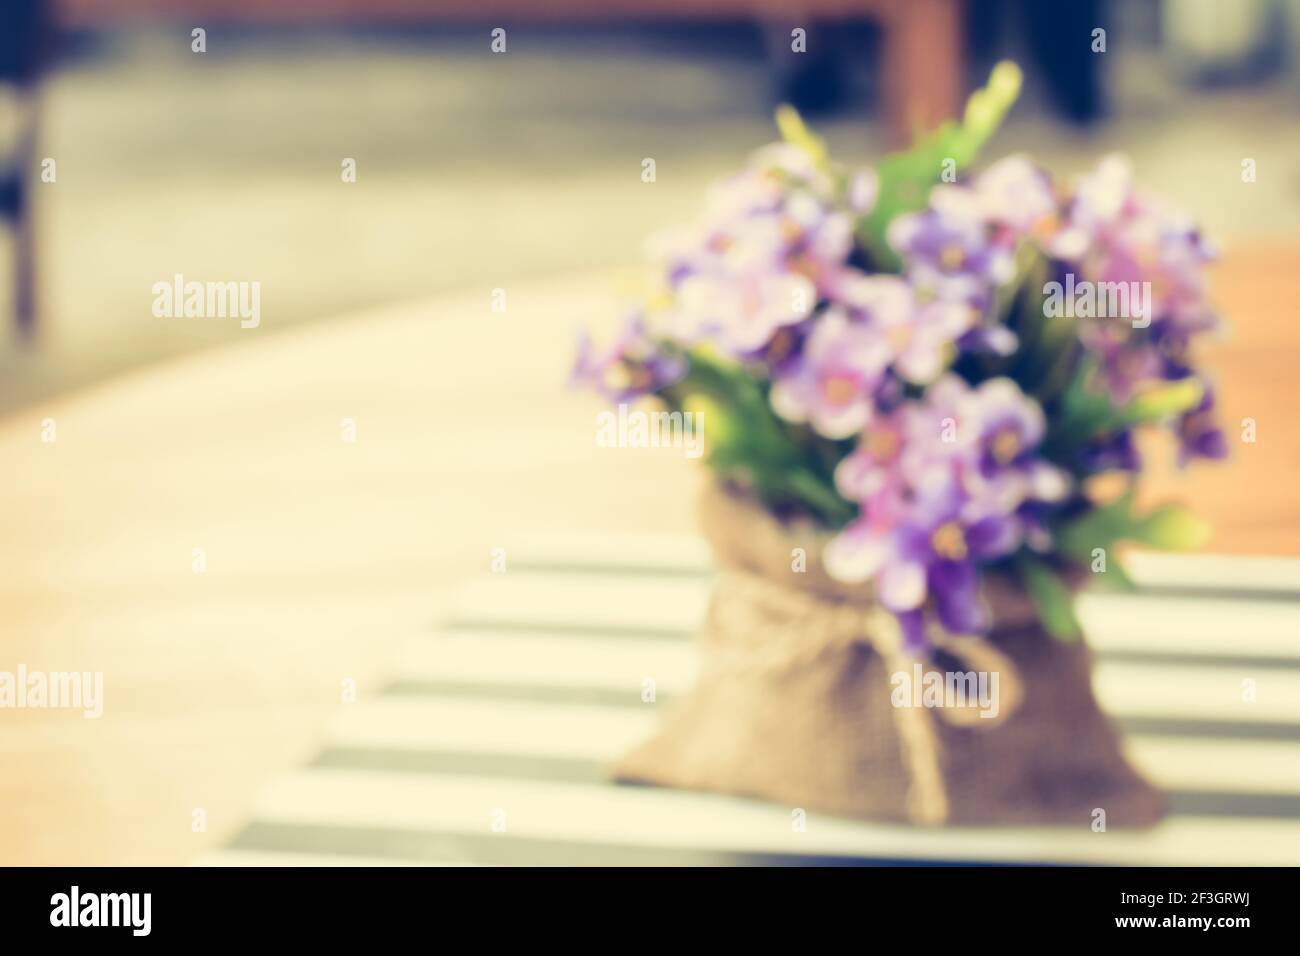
793,703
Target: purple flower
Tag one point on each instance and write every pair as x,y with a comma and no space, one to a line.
1099,201
1199,435
1113,451
1008,469
773,241
1015,193
857,553
989,337
921,336
935,554
832,383
1112,233
1126,357
949,248
946,476
956,254
631,366
875,463
819,239
743,310
944,485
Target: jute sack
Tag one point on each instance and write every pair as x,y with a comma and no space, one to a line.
793,703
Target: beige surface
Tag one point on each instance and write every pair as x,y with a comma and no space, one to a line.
321,554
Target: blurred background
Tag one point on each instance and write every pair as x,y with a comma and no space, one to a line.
476,170
476,165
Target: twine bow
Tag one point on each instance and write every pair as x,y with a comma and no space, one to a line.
843,624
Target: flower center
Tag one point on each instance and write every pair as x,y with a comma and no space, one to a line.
952,257
882,445
1045,225
840,389
1005,446
949,541
899,336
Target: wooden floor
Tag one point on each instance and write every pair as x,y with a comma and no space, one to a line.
1253,501
323,556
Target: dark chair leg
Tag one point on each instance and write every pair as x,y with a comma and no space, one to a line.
26,39
24,224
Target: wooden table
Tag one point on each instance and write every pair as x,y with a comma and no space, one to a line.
320,554
1252,501
323,555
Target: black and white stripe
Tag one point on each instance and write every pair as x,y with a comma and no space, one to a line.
523,699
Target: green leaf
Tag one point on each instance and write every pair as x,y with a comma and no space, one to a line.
1164,402
823,497
746,440
795,132
1172,528
720,428
1051,596
1048,357
1086,410
1099,527
906,177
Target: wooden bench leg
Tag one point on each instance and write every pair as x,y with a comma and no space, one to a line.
24,221
923,66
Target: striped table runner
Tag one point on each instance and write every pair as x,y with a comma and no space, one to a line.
490,743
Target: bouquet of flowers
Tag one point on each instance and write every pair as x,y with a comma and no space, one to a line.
937,364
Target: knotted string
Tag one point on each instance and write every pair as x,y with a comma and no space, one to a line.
745,600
